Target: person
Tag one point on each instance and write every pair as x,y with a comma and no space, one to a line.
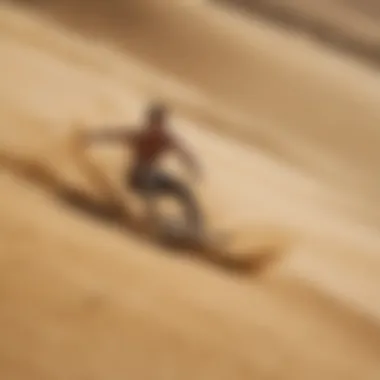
144,176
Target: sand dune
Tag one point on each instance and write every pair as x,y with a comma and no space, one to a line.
286,92
282,128
350,26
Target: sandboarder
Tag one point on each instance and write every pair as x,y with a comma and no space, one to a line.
144,176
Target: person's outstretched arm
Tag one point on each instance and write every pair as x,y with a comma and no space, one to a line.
109,135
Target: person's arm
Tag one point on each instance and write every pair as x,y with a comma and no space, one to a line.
114,135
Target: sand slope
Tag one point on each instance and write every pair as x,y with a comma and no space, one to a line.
80,299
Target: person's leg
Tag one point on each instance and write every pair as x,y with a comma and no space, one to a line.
141,180
149,183
166,184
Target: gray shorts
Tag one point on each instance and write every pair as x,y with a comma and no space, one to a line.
153,181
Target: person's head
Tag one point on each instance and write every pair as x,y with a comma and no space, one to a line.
157,114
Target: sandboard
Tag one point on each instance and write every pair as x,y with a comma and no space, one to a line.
214,246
